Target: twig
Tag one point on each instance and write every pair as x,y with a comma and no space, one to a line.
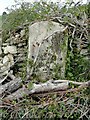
84,113
4,79
73,82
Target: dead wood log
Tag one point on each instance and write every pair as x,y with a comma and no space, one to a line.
37,88
10,86
50,86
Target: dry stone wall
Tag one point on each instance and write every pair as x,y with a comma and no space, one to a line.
13,52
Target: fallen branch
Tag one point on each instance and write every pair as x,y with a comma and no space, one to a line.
50,86
73,82
10,86
37,88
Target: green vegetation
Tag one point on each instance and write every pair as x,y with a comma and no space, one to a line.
0,22
71,106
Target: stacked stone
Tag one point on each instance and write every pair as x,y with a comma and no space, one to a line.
14,51
21,50
0,46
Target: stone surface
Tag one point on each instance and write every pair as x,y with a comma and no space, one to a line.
22,33
38,32
46,39
1,64
0,41
17,36
84,52
8,61
10,49
0,51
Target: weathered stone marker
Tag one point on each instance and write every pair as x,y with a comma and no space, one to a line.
47,39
